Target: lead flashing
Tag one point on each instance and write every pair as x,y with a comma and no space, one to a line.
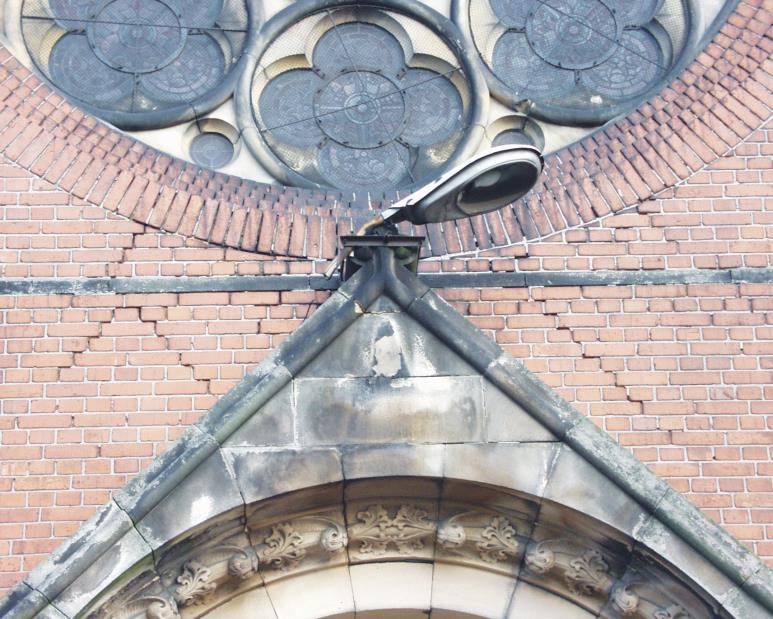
288,283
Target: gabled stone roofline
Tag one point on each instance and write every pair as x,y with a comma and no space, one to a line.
383,277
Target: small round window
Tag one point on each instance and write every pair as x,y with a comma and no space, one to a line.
577,61
140,64
212,143
359,98
212,150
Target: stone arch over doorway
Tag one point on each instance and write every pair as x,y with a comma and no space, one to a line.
412,547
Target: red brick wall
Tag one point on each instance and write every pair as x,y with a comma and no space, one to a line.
95,385
92,386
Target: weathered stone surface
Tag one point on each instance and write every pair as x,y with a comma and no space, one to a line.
263,473
392,488
328,496
383,305
515,506
618,464
51,612
393,460
506,421
272,424
379,410
327,592
255,603
705,536
389,345
761,584
662,543
314,335
96,537
127,553
523,467
579,485
471,591
401,285
459,334
166,472
21,602
535,397
252,403
741,606
209,491
331,319
392,585
531,601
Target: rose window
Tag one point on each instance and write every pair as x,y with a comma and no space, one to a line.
140,63
577,61
361,98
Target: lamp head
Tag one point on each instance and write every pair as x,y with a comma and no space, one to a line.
485,183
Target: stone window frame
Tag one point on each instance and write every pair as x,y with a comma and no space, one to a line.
422,13
142,121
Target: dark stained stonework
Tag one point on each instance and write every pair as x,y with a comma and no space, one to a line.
487,279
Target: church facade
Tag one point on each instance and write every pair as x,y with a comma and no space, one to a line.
140,290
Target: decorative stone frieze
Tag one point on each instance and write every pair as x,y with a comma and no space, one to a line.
406,531
283,548
499,541
161,608
194,584
230,558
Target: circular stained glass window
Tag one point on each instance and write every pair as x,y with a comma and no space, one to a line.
361,98
577,61
140,64
515,129
212,150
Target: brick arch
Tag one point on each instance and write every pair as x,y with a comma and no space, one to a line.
715,104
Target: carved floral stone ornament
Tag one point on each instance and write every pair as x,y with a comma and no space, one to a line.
625,600
140,64
222,562
194,584
585,572
498,541
161,608
407,530
243,563
360,98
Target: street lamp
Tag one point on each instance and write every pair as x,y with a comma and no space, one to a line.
484,183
